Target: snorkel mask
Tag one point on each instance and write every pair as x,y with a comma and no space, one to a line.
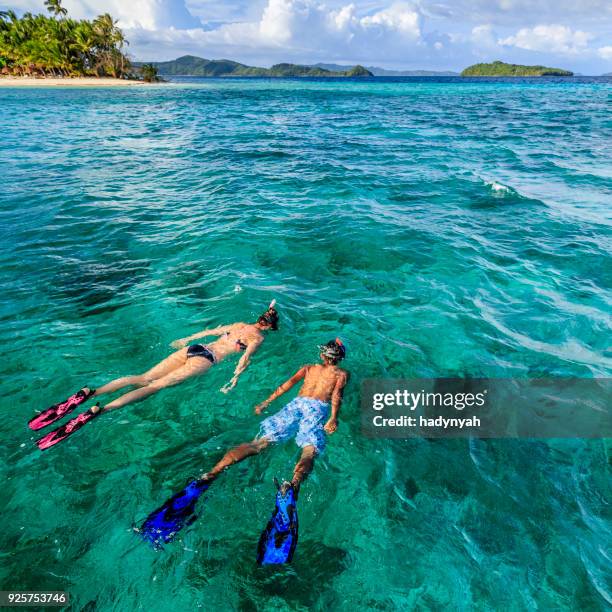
270,317
334,350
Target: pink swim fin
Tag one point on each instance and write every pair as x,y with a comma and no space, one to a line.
57,411
61,433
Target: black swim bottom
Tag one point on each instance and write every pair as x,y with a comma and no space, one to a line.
199,350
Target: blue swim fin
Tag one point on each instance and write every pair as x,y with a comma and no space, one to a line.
162,525
279,539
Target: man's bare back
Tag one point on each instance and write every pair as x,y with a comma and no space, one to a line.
320,381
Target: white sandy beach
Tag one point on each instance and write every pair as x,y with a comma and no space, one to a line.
12,81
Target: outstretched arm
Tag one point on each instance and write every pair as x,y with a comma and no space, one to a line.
217,331
282,389
242,364
336,400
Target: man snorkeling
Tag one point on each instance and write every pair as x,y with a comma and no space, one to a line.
307,418
187,362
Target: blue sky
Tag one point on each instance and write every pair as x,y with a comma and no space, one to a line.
432,34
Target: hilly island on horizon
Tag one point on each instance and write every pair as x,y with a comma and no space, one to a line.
191,65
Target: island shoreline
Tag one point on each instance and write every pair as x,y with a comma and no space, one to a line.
28,81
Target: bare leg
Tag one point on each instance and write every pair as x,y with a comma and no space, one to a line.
163,368
304,466
194,367
236,455
119,383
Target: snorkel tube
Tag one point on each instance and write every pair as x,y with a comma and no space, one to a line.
270,317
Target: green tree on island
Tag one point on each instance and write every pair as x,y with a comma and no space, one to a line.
149,73
502,69
60,46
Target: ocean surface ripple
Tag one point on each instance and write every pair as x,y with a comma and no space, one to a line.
440,229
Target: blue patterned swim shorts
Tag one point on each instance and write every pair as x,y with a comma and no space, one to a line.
302,418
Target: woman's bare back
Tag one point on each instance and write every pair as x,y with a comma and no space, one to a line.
235,339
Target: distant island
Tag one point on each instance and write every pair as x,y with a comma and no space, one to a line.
501,69
376,71
191,65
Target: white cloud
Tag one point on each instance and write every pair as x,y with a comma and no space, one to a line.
308,28
145,14
483,36
605,52
310,24
550,38
399,18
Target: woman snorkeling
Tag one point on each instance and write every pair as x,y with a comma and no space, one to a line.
185,363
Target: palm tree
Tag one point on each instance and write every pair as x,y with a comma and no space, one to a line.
82,45
55,7
109,42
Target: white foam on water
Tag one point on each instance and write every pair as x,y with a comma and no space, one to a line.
498,188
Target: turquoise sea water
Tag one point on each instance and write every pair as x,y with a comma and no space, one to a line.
438,228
